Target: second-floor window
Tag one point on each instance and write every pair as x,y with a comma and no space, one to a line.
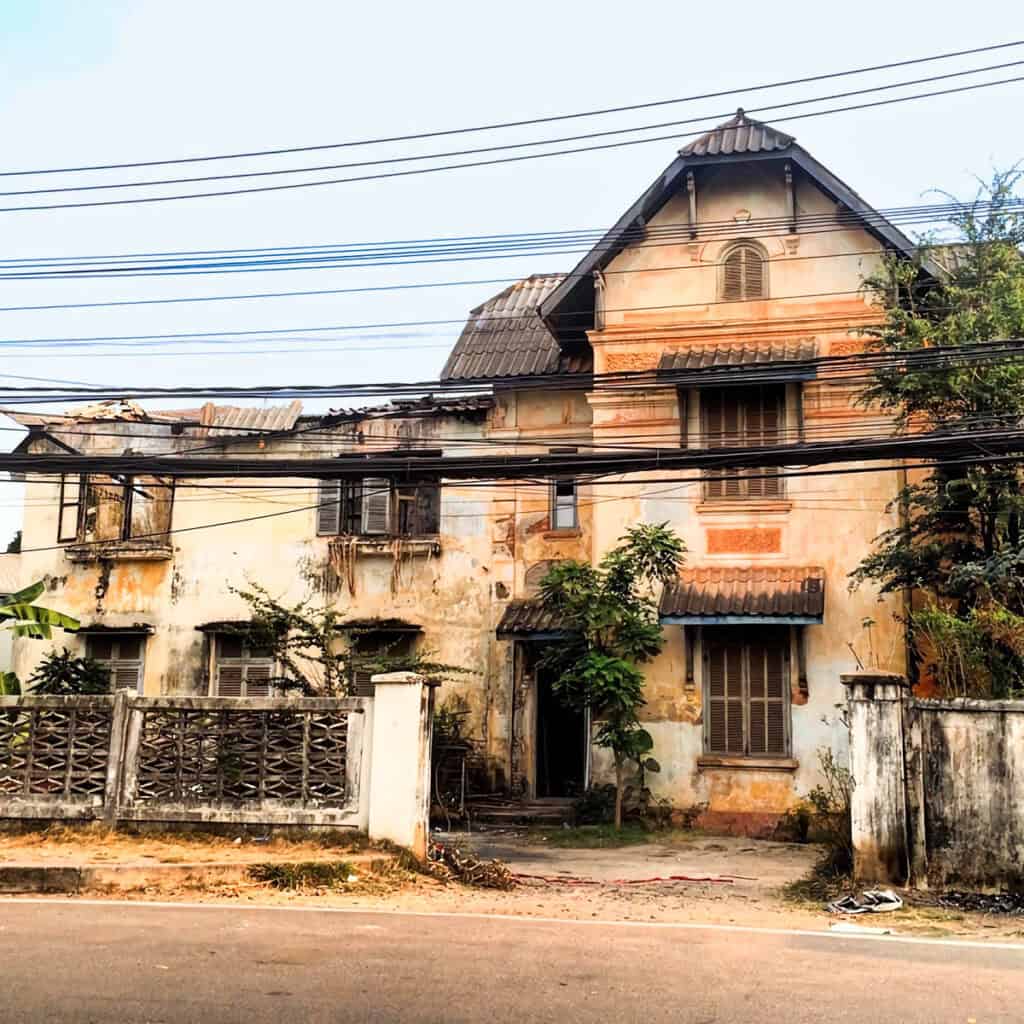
374,506
99,507
745,416
563,505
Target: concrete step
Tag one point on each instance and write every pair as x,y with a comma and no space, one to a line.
521,812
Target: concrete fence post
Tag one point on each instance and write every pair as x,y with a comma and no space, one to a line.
403,718
115,757
881,850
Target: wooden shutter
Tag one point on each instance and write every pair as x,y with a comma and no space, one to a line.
775,699
428,509
229,679
743,274
725,699
257,678
121,656
362,683
328,512
376,505
732,282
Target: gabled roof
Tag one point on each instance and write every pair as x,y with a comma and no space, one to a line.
740,134
504,336
737,140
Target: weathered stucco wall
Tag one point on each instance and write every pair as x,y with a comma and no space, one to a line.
664,298
969,761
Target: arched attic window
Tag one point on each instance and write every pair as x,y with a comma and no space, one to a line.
743,273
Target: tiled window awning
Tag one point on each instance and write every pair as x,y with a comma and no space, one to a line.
784,595
528,617
797,354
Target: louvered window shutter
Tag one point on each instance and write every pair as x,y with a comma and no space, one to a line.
732,285
122,657
126,675
775,699
257,678
771,421
743,274
376,505
328,513
725,699
229,679
362,683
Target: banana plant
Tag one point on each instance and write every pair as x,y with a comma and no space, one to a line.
10,685
20,614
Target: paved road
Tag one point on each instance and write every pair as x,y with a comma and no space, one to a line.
136,963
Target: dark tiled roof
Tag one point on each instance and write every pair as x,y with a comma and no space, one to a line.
740,134
738,354
774,592
523,617
506,337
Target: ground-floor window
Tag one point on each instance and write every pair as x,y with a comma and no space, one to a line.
746,691
241,669
122,655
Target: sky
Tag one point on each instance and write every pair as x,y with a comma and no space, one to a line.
113,82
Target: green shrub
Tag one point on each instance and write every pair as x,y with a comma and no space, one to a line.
63,674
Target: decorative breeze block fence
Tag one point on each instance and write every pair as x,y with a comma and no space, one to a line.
184,759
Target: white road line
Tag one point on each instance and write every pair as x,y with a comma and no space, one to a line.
909,940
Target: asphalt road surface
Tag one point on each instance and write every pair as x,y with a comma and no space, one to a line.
158,964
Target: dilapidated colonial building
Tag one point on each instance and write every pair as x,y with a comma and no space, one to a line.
744,250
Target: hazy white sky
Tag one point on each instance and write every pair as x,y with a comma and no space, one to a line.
106,82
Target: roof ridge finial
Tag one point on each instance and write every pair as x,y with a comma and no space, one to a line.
741,114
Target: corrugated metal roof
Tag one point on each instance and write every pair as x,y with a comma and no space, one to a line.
505,337
739,354
769,592
525,616
232,419
740,134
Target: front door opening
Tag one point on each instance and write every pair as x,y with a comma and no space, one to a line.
561,744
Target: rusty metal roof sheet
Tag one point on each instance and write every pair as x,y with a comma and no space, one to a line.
233,419
739,354
740,134
758,594
505,337
523,617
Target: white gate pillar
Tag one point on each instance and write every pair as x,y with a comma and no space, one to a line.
403,718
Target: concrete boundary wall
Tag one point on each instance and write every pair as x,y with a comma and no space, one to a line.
938,796
198,760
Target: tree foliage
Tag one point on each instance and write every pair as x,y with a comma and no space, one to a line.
63,674
610,615
20,614
960,539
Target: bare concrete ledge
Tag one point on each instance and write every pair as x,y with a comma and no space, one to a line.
119,551
743,506
749,764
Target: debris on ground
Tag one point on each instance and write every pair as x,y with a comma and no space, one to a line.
575,880
980,902
449,862
872,901
849,928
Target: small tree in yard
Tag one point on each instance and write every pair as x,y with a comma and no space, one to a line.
314,648
960,546
610,614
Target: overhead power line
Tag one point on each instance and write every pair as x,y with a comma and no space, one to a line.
448,154
520,123
488,162
847,369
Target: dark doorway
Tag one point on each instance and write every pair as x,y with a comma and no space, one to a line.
561,744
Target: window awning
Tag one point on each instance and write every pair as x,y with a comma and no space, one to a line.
791,360
528,617
136,628
379,625
780,595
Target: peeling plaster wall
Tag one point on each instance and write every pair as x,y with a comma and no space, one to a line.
972,776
